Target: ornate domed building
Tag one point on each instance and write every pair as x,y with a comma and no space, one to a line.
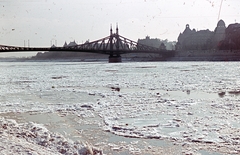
219,33
184,37
201,40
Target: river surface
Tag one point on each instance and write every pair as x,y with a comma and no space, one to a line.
130,107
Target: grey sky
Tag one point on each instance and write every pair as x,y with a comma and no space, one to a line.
45,21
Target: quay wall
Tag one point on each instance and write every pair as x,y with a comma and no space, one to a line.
207,55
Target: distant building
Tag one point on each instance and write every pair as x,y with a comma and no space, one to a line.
158,43
163,46
150,42
73,43
201,40
219,33
232,38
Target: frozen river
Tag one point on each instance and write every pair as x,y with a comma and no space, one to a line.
175,107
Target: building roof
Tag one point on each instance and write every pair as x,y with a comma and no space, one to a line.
221,23
73,43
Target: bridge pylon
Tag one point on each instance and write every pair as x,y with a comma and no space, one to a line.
114,55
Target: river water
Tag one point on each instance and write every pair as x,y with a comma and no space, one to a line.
130,107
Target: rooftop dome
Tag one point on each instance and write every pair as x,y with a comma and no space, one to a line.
221,23
187,29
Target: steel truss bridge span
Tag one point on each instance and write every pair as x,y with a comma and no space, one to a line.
114,45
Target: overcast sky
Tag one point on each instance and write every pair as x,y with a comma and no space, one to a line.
43,22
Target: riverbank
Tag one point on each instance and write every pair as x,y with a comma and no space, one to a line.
206,55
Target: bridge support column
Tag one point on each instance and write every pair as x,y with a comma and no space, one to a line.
114,59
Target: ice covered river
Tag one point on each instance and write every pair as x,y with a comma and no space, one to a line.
132,107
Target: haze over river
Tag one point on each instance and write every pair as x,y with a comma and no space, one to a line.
129,107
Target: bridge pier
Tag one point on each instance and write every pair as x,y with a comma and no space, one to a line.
114,59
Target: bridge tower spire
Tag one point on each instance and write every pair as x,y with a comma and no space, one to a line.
111,38
111,30
117,29
117,38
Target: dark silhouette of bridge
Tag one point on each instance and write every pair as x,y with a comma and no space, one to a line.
113,45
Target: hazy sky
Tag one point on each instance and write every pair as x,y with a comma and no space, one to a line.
43,22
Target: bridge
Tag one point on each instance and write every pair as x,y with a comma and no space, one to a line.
113,45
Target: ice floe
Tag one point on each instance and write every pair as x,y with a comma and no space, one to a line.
188,103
